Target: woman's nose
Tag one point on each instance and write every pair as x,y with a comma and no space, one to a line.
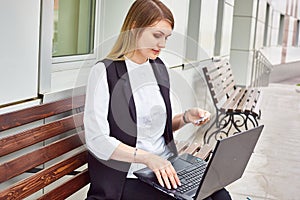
162,43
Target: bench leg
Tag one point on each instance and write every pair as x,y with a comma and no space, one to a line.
259,114
253,121
219,127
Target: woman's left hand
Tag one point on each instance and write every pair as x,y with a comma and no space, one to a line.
197,116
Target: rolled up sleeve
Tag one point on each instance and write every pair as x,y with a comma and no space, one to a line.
97,132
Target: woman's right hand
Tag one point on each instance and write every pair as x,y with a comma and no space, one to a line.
164,171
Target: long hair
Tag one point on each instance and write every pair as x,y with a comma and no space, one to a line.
142,13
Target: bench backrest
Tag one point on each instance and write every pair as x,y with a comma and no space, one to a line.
220,80
51,149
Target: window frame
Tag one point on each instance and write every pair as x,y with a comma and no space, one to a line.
49,64
71,58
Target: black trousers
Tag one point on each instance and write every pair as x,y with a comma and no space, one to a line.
135,189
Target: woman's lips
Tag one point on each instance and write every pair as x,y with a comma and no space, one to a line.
156,51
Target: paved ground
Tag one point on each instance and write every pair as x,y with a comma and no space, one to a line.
273,172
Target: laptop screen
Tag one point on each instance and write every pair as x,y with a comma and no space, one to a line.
229,161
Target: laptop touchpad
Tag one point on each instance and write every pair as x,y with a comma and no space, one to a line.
180,164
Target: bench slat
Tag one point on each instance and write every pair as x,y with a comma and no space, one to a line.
193,148
215,65
30,160
256,110
244,101
225,87
229,88
204,152
237,99
181,146
68,188
35,113
217,73
226,104
253,101
229,107
26,138
43,178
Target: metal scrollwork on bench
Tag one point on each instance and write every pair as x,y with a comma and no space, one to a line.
230,123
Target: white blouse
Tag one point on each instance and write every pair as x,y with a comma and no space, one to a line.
150,112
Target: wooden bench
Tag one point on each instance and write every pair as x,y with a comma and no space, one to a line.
49,153
42,151
194,148
237,108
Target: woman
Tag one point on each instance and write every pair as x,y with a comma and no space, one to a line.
128,116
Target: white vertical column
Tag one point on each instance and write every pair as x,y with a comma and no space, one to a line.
247,34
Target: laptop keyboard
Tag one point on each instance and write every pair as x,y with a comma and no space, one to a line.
190,178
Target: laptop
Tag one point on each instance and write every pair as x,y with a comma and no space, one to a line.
199,179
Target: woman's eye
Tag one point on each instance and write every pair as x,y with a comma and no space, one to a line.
157,36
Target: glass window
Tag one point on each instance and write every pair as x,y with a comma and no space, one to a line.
281,29
74,25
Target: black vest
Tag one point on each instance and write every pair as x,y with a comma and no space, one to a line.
108,177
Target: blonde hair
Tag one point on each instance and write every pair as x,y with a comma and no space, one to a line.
142,13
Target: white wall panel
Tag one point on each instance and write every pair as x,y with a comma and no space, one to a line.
244,7
188,89
19,22
174,53
207,30
259,42
241,62
227,30
113,14
276,19
230,2
243,31
291,31
279,5
262,10
274,37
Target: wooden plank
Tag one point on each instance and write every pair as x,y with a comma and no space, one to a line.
253,100
256,110
68,188
228,80
229,89
204,152
238,99
35,113
34,183
215,65
217,90
244,101
226,104
181,146
35,158
192,148
29,137
216,78
232,106
218,72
